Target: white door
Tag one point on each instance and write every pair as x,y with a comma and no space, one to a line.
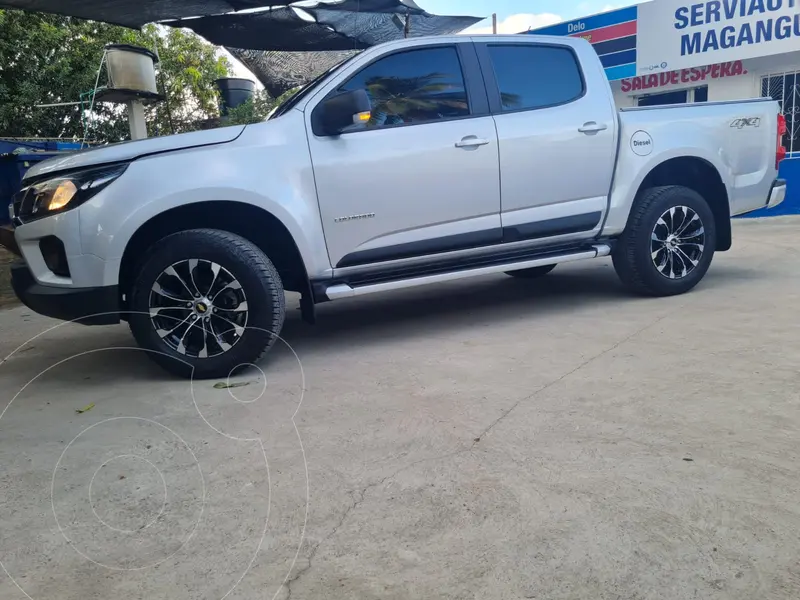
422,177
556,126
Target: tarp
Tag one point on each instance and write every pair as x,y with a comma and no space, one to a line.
280,70
135,13
284,29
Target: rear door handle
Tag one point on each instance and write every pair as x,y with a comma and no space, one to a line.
592,127
471,141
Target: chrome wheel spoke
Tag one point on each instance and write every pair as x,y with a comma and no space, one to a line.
680,265
234,327
677,242
686,226
173,273
686,258
233,285
238,309
192,266
203,353
158,310
165,332
225,346
181,345
215,269
157,289
194,325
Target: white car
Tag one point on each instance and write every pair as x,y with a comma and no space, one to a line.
414,162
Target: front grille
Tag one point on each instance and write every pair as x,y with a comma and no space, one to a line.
24,203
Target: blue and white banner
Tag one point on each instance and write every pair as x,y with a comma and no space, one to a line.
679,34
613,35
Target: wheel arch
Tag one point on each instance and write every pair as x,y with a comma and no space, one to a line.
253,223
703,177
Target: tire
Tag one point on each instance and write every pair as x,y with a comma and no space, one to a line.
231,326
642,261
532,273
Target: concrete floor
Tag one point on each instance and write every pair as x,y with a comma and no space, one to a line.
492,439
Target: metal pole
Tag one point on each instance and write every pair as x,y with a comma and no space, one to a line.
407,29
56,104
136,120
494,23
164,91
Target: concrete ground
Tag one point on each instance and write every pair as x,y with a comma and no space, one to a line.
492,439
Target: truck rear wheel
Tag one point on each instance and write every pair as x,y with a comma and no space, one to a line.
206,303
668,243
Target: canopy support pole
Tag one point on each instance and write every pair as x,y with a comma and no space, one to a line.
136,120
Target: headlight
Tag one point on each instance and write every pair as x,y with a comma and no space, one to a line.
63,193
54,195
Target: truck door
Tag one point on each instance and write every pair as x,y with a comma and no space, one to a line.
422,176
556,126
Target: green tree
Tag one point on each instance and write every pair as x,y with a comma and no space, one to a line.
49,59
257,108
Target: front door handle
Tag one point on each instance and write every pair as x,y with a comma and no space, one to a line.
592,127
471,141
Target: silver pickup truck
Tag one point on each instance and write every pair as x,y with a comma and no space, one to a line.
412,163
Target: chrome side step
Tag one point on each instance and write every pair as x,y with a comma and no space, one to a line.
343,290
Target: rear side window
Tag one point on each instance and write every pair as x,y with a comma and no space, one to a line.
531,77
413,87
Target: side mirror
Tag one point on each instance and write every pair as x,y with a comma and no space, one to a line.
340,113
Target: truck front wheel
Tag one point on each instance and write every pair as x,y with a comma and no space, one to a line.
206,303
668,243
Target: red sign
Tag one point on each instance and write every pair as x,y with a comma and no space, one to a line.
656,80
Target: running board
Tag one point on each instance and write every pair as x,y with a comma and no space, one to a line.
342,290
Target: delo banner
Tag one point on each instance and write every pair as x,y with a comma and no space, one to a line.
613,35
677,34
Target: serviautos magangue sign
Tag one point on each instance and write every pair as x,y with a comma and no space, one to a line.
677,34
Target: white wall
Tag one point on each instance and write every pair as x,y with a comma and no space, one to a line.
747,85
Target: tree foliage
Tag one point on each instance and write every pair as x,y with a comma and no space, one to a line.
49,59
257,108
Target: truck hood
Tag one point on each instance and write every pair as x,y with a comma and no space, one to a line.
127,151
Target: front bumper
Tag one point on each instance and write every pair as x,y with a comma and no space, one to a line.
88,306
777,194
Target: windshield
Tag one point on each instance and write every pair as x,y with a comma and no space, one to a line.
304,90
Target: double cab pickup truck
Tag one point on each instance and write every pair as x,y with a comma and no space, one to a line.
412,163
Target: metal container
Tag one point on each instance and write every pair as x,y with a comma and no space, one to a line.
234,91
131,68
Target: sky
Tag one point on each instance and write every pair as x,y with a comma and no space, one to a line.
514,16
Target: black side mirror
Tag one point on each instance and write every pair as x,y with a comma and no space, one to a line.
341,112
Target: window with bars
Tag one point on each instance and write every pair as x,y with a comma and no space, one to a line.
785,88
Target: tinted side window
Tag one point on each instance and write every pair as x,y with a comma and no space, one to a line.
417,86
535,76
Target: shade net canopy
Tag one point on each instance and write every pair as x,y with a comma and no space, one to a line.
286,29
280,70
135,13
